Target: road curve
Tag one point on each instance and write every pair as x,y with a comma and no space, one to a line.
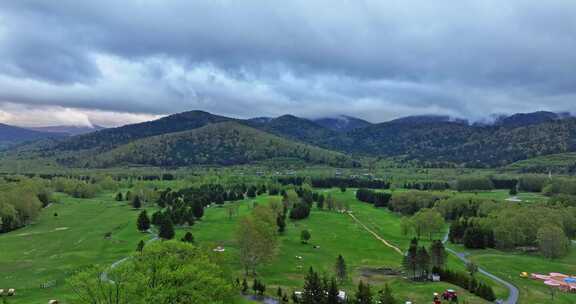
513,292
104,274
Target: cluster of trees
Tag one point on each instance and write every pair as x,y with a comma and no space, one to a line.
178,268
331,182
468,282
426,185
474,183
378,199
322,289
418,263
21,202
410,202
471,233
478,223
426,222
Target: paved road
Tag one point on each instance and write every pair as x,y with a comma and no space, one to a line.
513,292
104,275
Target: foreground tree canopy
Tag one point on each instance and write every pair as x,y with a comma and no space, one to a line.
165,273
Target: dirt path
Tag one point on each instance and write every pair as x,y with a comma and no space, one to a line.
104,275
385,242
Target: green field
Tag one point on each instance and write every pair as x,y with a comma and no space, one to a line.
54,247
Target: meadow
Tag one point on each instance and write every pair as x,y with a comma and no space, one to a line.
75,233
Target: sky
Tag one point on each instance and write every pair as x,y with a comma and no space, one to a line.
112,62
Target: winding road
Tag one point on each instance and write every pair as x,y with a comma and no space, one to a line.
513,292
104,274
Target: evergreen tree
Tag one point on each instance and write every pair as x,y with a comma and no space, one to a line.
143,222
119,197
363,295
279,293
128,196
437,255
198,210
410,263
166,229
340,269
140,246
332,295
305,236
313,293
423,263
285,299
386,296
188,238
244,287
281,222
136,203
513,191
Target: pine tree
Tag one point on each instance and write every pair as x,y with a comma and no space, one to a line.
340,269
166,229
140,246
410,263
363,295
244,287
143,222
188,238
437,255
332,296
305,236
136,203
281,222
198,210
119,197
386,296
423,263
313,292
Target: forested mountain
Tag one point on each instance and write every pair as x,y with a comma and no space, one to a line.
69,130
342,123
226,143
185,139
10,135
109,138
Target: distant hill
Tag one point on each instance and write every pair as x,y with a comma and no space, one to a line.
342,123
426,119
11,136
226,143
109,138
68,130
526,119
430,140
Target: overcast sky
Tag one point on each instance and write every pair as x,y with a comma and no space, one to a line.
113,62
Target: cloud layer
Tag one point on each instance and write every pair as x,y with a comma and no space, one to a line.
373,59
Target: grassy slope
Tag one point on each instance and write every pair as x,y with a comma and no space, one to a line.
335,234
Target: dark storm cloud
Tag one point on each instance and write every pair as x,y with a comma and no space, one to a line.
374,59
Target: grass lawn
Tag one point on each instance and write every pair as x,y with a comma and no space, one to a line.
509,265
335,234
55,246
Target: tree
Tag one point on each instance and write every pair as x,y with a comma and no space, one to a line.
136,202
188,238
332,293
472,268
257,238
140,246
178,269
166,231
427,222
552,241
340,269
244,287
119,197
385,296
313,292
330,202
438,255
305,236
143,222
513,191
281,222
363,295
